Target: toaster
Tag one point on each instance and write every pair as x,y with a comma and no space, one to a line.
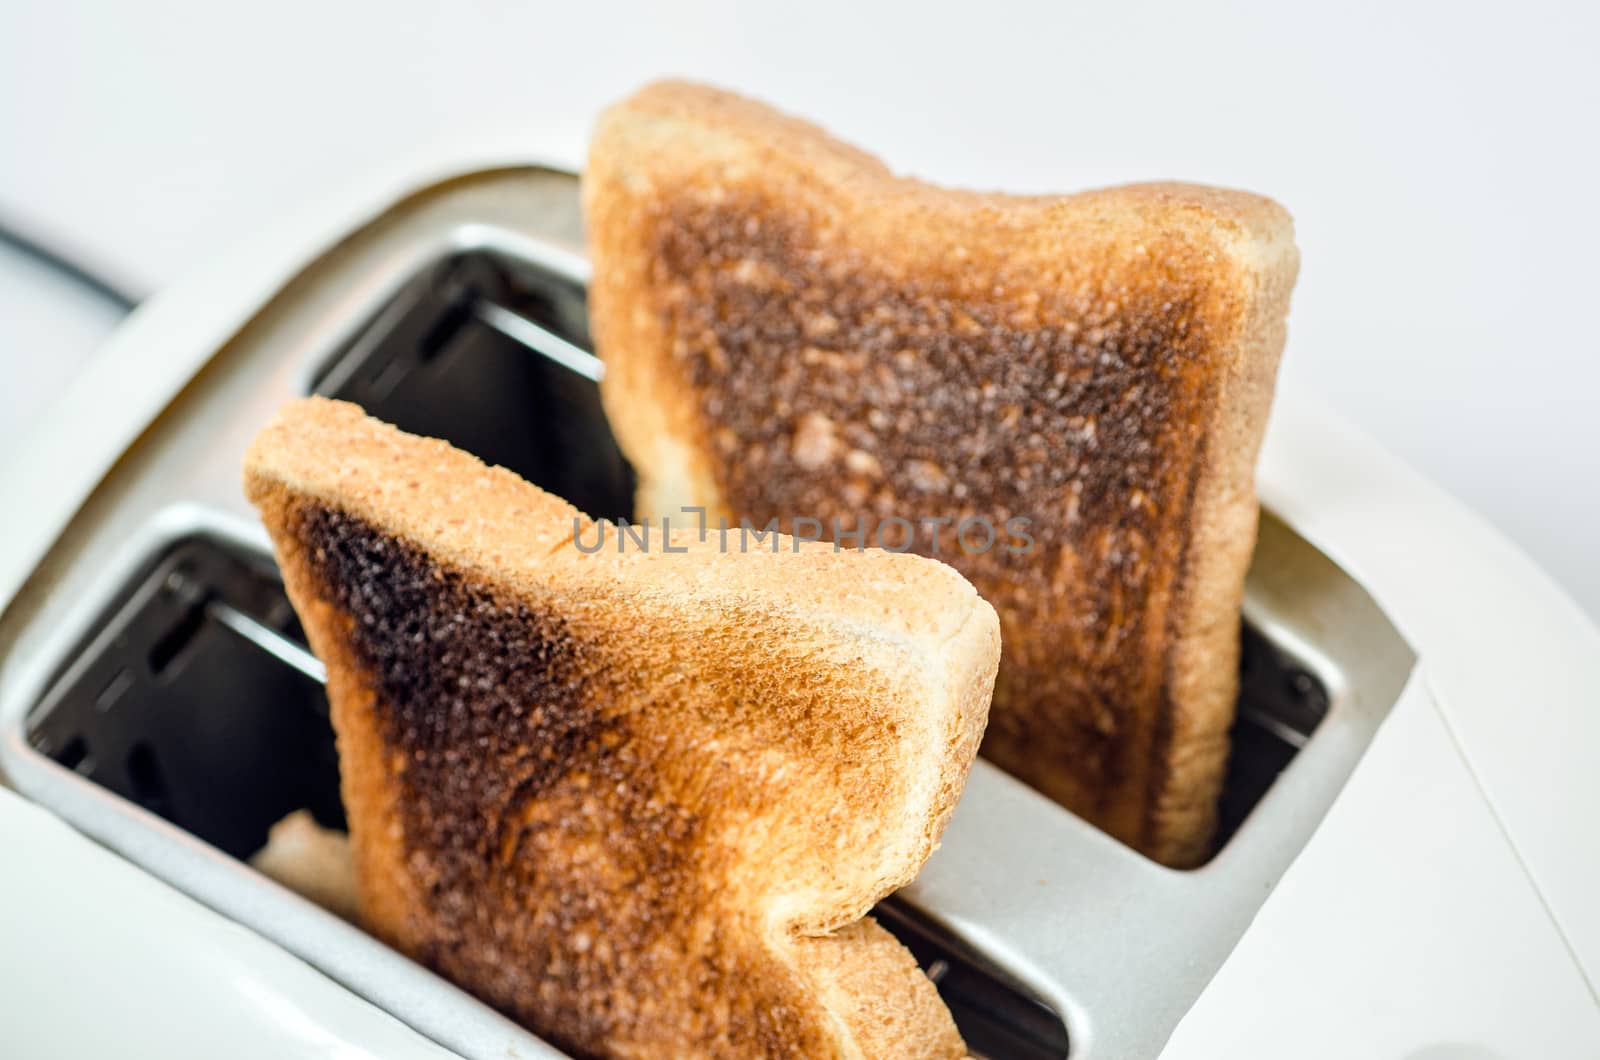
1406,865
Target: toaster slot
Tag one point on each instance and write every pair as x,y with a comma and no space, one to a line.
1281,703
223,730
169,705
494,357
998,1016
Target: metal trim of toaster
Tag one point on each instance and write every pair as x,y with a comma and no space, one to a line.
1027,884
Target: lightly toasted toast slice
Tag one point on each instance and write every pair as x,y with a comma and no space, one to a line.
791,332
638,800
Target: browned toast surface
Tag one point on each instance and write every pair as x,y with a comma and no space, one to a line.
638,801
792,332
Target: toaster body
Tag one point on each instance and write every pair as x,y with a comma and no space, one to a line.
1400,870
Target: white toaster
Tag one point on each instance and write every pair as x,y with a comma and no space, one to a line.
1408,866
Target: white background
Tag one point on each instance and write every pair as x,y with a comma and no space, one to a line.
1441,163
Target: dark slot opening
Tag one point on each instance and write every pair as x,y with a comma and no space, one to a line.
225,742
1281,703
463,380
998,1017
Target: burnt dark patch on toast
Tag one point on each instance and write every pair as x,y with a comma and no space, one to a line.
828,388
560,874
482,697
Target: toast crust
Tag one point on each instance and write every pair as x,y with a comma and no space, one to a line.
640,802
793,332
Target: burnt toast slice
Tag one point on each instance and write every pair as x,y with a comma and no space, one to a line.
639,800
792,332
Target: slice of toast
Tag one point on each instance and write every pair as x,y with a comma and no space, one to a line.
639,800
1082,382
